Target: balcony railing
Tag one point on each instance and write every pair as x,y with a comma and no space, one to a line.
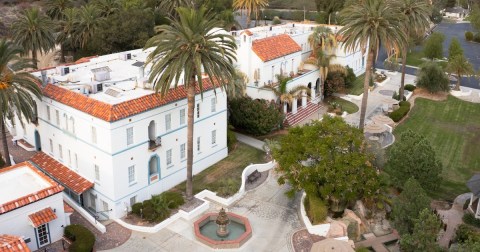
154,144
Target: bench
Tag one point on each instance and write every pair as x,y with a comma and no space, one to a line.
254,176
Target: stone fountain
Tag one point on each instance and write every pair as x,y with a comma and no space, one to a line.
222,223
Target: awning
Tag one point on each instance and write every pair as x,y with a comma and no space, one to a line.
13,243
41,217
62,174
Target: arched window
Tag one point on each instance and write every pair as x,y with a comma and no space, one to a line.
72,124
153,169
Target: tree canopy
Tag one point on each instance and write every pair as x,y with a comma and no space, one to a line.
433,78
328,159
413,156
455,49
424,234
433,48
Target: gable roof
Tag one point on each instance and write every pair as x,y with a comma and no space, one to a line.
275,47
63,174
54,188
12,243
115,112
41,217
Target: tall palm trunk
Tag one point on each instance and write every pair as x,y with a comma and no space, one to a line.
191,108
249,20
6,153
459,78
366,85
34,58
402,81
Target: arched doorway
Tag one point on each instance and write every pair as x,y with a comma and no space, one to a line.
151,131
153,169
38,143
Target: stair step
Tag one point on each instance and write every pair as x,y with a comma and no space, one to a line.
302,113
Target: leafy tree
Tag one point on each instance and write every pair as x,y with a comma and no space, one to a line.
475,17
433,78
16,89
66,31
256,117
113,34
336,80
436,17
328,160
407,206
183,49
350,77
468,246
416,22
459,66
89,18
368,25
106,7
455,49
413,156
34,32
451,3
250,6
424,235
433,48
228,20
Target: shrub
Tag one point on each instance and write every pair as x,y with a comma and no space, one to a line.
410,87
465,232
396,96
256,117
398,114
175,197
276,20
147,203
476,38
469,35
470,219
148,212
136,208
231,138
83,239
316,209
433,78
350,78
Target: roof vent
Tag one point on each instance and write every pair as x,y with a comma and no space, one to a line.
112,92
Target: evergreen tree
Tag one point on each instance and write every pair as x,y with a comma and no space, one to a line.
454,49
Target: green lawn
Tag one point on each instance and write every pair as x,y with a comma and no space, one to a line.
346,105
414,58
357,87
453,128
224,177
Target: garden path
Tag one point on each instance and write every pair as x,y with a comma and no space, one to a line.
453,218
255,143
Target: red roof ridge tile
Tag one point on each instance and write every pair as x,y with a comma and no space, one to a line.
274,47
41,217
12,243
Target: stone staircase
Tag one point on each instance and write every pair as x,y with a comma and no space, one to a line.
302,113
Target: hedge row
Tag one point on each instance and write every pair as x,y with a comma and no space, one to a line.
470,219
398,114
410,87
83,239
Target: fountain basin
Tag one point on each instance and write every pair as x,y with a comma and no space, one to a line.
240,231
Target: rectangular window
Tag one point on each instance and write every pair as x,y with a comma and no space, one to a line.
48,113
133,200
76,161
198,143
169,157
97,173
182,151
129,135
213,104
57,117
182,116
51,145
94,135
168,122
198,110
42,235
60,151
214,137
105,206
69,158
131,174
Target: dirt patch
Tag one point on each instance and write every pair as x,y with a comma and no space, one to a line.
192,204
440,205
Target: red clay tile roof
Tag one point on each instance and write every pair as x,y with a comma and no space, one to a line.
275,47
248,32
30,198
63,174
10,243
85,59
41,217
111,113
67,208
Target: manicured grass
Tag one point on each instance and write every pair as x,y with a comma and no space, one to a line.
414,58
224,177
357,87
453,129
346,105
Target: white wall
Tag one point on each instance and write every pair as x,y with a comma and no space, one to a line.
17,222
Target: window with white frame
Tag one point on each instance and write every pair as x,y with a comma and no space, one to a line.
182,116
168,122
72,127
133,200
213,104
198,143
66,121
42,235
97,173
94,135
57,117
182,151
129,135
214,137
69,158
198,110
48,113
169,157
51,145
76,161
131,174
60,151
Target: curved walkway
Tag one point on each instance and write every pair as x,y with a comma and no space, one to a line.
453,218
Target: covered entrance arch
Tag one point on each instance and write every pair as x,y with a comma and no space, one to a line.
38,143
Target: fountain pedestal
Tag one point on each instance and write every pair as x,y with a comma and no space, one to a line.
222,222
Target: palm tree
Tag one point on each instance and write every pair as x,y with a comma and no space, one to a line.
55,8
416,15
34,32
228,20
88,20
368,25
237,88
249,6
169,6
459,65
284,95
16,89
183,48
106,7
66,30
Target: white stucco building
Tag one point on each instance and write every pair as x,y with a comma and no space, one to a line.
31,208
101,122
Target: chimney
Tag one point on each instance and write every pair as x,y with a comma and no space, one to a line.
44,78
